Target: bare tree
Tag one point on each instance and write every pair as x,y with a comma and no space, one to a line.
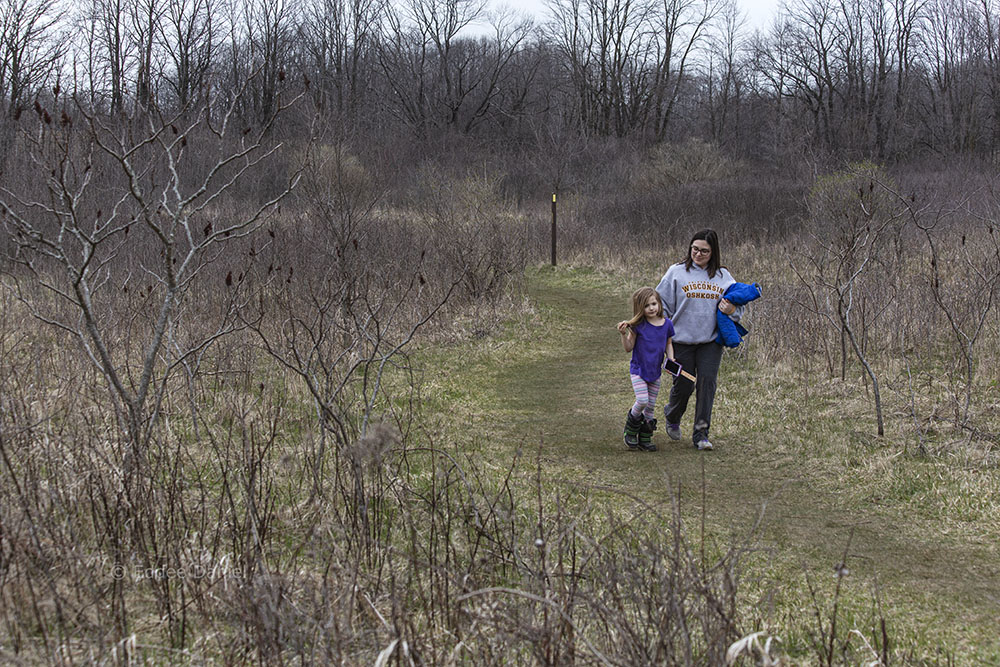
145,26
607,47
725,76
339,38
908,20
82,241
810,65
855,219
627,62
500,73
965,283
849,67
188,35
770,76
681,29
439,78
260,36
30,49
951,85
109,48
989,18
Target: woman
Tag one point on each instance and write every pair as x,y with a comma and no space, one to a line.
691,291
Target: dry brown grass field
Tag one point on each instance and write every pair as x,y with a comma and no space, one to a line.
344,430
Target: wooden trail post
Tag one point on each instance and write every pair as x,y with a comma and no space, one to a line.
553,229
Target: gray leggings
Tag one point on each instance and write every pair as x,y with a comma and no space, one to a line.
703,361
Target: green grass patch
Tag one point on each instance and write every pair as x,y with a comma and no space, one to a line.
796,449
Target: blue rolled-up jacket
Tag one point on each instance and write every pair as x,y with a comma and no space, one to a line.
731,333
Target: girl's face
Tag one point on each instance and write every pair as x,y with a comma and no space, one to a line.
701,252
652,307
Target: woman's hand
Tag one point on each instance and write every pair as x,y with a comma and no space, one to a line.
726,307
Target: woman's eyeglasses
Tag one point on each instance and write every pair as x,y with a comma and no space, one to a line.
700,251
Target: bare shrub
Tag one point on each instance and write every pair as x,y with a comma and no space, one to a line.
118,227
850,271
404,547
75,241
629,203
547,588
961,277
472,229
692,161
296,504
916,294
828,639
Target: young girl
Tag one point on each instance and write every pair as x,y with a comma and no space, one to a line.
648,336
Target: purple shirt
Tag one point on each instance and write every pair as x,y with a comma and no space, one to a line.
650,347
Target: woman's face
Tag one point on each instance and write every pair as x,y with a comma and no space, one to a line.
701,252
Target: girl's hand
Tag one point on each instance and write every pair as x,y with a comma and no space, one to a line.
623,328
726,307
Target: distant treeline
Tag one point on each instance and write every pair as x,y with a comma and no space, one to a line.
887,79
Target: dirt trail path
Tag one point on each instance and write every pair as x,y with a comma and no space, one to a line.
568,386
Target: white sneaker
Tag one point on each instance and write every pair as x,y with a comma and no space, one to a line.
704,445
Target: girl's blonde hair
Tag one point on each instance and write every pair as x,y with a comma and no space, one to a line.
639,299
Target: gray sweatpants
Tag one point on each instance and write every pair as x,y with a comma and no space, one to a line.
702,360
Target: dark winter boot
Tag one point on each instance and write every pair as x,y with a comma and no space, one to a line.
632,426
646,435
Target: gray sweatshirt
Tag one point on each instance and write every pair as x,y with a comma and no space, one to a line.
690,299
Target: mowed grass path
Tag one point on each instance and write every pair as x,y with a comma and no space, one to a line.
783,447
